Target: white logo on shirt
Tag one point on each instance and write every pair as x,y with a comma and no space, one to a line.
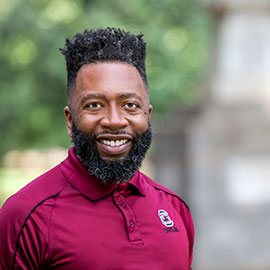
165,219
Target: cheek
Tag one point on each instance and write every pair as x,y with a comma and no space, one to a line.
139,123
87,122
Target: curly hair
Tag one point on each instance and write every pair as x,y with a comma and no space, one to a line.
101,45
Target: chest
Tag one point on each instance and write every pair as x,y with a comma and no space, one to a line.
119,232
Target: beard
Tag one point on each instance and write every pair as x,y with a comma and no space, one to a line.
110,171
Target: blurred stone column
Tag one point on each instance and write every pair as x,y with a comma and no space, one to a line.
169,152
228,144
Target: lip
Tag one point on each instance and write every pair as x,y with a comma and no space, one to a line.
113,152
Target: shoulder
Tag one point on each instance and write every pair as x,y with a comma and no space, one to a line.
175,198
45,186
16,209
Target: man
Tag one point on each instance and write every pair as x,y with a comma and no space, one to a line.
96,210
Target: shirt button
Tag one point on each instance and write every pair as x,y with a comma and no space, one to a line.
131,224
123,205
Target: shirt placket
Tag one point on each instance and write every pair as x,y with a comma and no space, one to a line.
133,229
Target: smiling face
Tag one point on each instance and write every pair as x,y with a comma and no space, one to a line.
110,101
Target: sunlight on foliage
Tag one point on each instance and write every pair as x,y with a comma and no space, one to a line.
6,7
23,52
175,39
62,10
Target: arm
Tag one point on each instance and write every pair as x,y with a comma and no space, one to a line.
191,239
187,219
9,225
22,236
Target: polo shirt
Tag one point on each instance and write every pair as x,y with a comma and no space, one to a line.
66,219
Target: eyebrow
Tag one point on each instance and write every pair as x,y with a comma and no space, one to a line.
102,96
92,96
130,95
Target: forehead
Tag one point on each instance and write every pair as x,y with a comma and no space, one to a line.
109,76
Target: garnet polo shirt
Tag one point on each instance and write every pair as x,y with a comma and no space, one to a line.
67,220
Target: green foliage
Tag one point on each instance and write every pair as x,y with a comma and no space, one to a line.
32,70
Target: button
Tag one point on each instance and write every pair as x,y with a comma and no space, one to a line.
131,224
123,205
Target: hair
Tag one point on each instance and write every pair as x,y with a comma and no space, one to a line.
102,45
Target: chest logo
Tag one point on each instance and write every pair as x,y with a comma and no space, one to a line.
165,219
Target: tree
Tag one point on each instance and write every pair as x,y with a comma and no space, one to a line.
32,70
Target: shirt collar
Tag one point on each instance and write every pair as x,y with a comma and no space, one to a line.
89,185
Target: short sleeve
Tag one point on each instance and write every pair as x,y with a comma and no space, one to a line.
23,236
191,238
187,219
9,229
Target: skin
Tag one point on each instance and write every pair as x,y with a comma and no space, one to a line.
109,97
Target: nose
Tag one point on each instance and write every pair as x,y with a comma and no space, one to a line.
114,119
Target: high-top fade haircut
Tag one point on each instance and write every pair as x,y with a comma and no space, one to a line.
102,45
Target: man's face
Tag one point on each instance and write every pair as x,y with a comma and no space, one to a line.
110,103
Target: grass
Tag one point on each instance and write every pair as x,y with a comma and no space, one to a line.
12,180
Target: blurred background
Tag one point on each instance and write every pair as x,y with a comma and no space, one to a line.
208,66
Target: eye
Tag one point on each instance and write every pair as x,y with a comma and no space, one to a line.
131,106
94,105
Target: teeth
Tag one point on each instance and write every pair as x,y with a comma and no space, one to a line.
114,143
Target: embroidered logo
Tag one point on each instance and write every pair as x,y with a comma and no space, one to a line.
165,219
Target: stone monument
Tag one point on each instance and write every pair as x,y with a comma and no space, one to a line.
218,157
229,144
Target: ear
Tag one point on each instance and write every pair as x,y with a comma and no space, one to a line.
150,111
68,116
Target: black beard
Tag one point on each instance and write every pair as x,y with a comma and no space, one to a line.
110,171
